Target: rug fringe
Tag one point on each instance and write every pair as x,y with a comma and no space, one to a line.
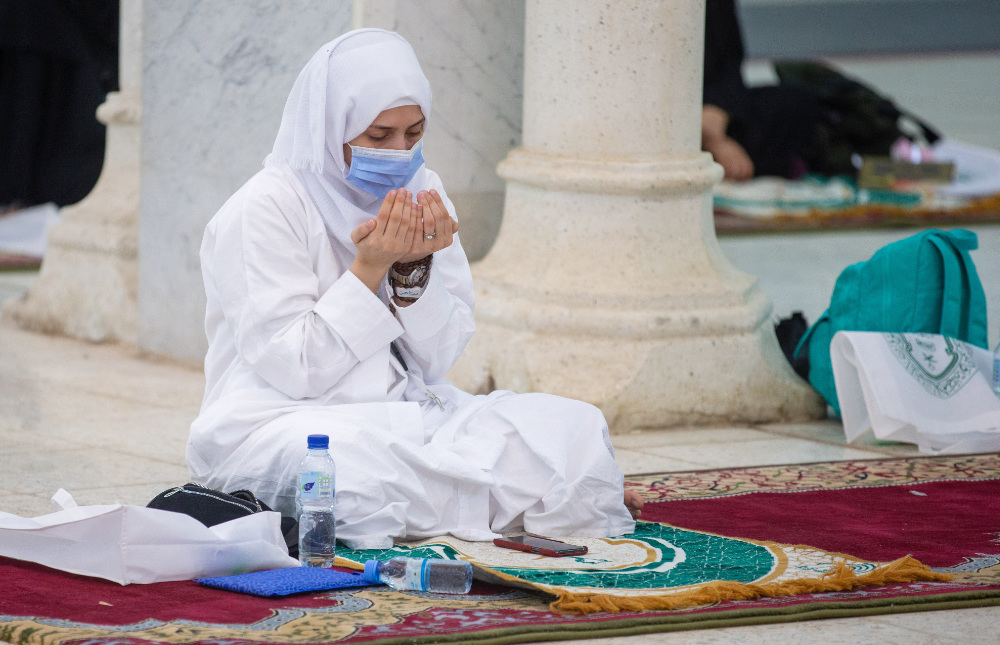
840,578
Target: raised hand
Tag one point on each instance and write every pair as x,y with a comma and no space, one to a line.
435,227
385,239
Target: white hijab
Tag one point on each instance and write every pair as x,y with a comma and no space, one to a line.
343,87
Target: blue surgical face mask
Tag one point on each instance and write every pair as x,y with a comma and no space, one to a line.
378,171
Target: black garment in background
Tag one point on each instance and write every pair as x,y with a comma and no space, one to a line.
58,61
773,123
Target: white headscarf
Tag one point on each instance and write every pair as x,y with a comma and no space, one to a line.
343,87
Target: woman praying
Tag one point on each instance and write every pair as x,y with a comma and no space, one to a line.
339,296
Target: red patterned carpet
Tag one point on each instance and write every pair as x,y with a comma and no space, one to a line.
942,510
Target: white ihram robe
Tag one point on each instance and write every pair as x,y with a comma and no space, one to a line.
298,345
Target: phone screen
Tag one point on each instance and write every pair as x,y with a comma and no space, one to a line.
542,543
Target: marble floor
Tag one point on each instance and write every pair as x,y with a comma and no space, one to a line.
107,424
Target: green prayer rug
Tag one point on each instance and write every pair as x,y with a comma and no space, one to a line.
660,566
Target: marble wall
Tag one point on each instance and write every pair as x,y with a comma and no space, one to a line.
215,79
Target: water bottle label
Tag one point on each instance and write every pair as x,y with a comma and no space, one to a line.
315,485
416,575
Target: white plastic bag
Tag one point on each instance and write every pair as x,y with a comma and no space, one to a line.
916,388
135,544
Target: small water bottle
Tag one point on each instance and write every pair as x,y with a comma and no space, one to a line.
996,370
317,530
418,574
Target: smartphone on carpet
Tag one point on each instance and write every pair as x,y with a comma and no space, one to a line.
540,545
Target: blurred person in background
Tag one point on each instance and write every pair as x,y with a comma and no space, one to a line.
749,131
58,61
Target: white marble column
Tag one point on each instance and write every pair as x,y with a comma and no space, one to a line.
87,284
606,282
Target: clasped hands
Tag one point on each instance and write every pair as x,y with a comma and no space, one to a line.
403,231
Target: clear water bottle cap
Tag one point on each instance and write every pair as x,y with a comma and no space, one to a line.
318,441
371,571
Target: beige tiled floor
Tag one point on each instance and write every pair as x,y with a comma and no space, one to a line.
107,425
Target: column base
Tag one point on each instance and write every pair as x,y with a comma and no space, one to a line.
86,289
87,284
646,383
606,284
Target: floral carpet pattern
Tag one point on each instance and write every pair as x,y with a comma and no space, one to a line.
941,510
833,475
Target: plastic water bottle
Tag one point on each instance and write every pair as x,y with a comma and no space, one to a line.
996,370
317,530
417,574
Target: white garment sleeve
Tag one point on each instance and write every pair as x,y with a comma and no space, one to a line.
301,341
438,326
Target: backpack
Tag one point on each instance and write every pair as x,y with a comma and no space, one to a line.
853,119
925,283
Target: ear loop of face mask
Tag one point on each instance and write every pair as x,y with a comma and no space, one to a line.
378,171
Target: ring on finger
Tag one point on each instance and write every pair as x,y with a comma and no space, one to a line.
430,236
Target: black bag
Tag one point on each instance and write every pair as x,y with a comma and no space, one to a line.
854,118
789,332
211,507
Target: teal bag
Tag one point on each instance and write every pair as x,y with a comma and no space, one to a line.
925,283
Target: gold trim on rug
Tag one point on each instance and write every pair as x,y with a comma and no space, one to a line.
840,578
